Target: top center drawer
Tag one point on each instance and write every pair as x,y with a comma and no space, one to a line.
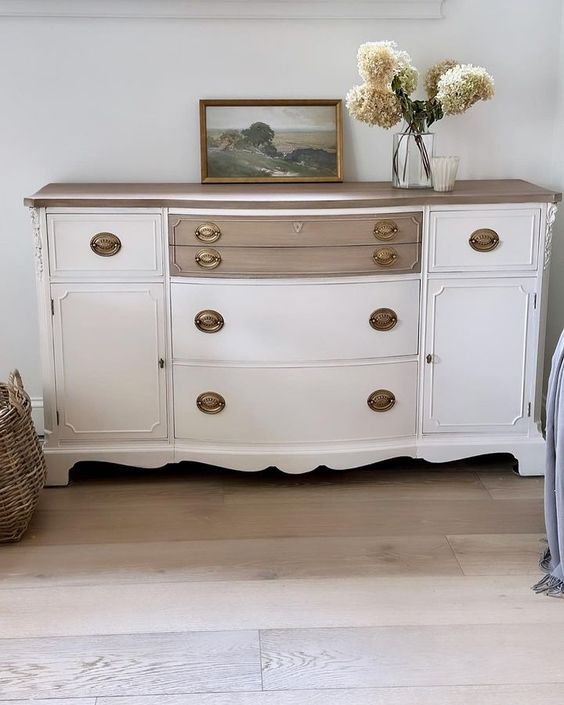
290,231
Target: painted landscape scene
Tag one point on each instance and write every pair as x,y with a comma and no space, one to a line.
249,142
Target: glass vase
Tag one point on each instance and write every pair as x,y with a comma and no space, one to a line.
411,159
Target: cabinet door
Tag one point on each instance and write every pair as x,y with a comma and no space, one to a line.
109,339
476,369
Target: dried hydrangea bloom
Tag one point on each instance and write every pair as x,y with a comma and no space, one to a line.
408,76
462,86
374,106
435,73
377,63
406,72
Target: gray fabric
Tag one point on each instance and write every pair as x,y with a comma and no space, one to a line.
553,582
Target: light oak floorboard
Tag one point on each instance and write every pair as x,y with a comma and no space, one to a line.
51,701
355,485
245,559
356,602
162,522
508,485
412,656
548,694
148,664
133,493
498,554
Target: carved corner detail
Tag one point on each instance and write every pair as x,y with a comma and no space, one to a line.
550,218
37,245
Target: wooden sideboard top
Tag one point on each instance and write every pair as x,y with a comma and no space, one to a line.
352,194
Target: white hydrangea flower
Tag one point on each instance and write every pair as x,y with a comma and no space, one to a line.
377,62
374,106
462,86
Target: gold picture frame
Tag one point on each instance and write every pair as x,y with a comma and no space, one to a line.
290,141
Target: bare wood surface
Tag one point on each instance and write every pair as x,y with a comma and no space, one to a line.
282,261
379,194
289,231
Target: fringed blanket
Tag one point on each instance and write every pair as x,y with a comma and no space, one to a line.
553,582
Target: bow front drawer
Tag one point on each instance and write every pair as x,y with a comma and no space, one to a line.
478,241
296,231
217,261
90,245
270,321
254,405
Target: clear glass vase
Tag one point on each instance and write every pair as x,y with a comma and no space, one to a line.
411,159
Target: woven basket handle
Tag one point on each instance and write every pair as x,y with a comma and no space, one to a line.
16,392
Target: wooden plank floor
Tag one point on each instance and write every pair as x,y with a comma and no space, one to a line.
401,584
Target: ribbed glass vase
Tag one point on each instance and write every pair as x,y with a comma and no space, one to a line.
411,159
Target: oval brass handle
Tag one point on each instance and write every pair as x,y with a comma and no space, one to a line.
385,229
210,403
381,400
105,244
385,256
484,240
208,259
208,232
383,319
209,321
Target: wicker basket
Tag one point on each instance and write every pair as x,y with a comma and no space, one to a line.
22,465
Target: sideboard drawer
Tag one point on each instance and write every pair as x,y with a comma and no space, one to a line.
505,240
269,231
275,321
111,244
254,405
287,261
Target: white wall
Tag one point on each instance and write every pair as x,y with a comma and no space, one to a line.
87,100
555,324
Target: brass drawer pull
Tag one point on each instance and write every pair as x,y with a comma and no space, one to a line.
385,229
207,232
209,321
385,256
210,403
383,319
484,240
105,244
381,400
208,259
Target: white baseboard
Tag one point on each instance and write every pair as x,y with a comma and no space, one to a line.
37,414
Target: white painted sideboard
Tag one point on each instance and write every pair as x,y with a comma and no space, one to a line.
291,326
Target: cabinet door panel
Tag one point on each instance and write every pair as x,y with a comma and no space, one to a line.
108,342
477,336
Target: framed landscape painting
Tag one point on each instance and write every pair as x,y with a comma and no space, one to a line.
250,141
